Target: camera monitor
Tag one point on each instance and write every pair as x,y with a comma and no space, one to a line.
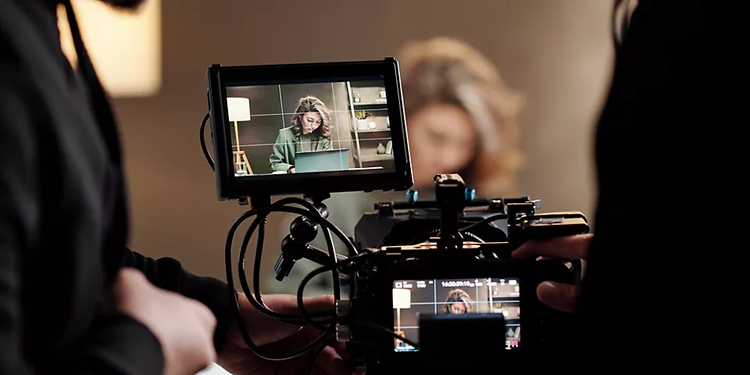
455,296
308,128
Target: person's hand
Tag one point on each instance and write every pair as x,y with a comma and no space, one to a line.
184,327
557,295
273,336
291,170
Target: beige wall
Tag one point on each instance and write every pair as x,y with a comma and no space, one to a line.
557,52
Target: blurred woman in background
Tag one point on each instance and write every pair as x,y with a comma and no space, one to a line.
461,117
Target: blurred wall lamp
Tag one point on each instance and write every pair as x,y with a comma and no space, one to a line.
125,46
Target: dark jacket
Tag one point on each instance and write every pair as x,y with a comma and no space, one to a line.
287,145
63,217
666,283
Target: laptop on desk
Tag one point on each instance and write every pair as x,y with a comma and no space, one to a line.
322,161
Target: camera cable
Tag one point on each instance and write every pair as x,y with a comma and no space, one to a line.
304,318
202,137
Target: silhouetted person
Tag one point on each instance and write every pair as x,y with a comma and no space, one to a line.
665,280
73,298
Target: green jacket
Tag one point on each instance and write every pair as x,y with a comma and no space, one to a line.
287,145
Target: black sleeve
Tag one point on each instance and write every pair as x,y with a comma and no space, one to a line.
117,344
167,273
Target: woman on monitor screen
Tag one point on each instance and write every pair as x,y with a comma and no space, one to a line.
310,131
458,302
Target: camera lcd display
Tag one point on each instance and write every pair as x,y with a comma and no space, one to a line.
300,128
455,296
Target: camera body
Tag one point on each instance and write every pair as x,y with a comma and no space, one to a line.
403,284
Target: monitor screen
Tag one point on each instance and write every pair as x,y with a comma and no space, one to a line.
455,296
301,128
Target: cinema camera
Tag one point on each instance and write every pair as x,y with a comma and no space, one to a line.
424,286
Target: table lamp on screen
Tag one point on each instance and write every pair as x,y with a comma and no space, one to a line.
401,300
239,110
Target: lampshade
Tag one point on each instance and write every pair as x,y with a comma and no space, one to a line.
401,298
239,109
125,46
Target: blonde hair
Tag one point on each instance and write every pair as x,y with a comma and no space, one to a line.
458,296
445,70
312,104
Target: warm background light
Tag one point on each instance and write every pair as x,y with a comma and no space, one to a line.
125,47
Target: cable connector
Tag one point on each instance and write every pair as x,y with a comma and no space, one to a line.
343,333
343,307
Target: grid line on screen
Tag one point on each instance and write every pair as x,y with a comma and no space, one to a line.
292,113
473,303
283,124
271,144
434,294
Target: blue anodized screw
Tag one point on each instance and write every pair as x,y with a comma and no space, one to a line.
411,196
470,194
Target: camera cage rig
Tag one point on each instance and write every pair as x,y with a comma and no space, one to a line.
363,318
455,253
257,189
455,249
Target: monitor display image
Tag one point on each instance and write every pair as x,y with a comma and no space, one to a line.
300,128
455,296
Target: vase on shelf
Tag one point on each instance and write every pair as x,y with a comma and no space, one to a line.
362,124
381,148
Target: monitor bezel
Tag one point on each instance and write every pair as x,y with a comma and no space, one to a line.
230,187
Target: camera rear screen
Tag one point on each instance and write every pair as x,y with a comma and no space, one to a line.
455,296
310,128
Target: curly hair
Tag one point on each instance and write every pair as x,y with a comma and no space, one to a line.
312,104
457,296
445,70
